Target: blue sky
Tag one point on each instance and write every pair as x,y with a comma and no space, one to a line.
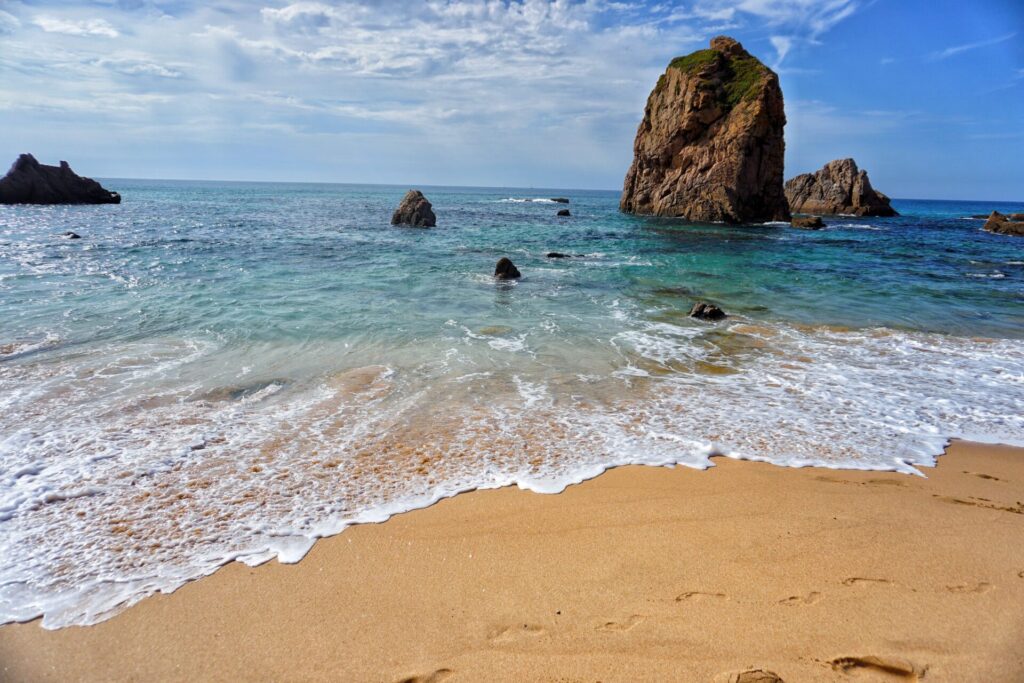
927,95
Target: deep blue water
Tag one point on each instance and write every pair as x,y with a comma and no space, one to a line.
237,368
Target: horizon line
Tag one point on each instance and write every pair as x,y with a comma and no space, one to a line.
479,187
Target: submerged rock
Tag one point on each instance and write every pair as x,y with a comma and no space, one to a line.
710,146
506,270
705,311
808,222
556,254
838,188
72,235
560,200
564,213
30,182
414,210
1003,225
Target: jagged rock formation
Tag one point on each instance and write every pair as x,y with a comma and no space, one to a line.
808,222
414,210
838,188
30,182
1001,225
506,270
710,146
705,311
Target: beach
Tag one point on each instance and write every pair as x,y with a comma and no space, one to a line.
642,573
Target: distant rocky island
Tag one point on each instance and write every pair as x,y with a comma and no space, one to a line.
838,188
30,182
710,146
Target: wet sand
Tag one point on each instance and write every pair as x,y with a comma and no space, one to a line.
639,574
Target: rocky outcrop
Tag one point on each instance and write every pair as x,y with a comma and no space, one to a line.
1003,225
808,222
839,188
506,270
30,182
564,213
560,200
414,210
557,254
710,146
705,311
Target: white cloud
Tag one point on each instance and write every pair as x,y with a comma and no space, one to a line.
782,45
8,23
135,65
86,27
966,47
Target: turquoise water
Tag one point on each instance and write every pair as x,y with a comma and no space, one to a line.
224,371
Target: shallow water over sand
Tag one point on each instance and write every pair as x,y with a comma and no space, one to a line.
221,371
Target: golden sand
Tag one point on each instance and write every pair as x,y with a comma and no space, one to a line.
640,574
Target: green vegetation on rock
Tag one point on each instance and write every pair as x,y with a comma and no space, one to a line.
691,62
741,78
747,75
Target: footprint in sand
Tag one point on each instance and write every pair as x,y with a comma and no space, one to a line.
864,580
889,668
621,626
981,587
1021,573
983,475
508,634
749,676
433,677
700,595
797,600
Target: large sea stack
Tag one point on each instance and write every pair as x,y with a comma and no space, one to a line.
710,147
839,188
30,182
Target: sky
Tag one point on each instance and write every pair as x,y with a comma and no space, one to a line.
926,95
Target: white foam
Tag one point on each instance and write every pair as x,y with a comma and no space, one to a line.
111,435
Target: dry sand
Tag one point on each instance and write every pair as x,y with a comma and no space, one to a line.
640,574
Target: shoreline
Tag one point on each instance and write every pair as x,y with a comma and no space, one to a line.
830,572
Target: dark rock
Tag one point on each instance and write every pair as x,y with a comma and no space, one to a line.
838,188
560,200
982,216
808,222
555,254
705,311
414,210
30,182
564,213
1001,225
72,235
506,270
710,146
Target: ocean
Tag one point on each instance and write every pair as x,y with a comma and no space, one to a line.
228,371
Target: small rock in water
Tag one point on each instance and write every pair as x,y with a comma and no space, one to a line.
72,235
808,222
415,211
555,254
705,311
560,200
197,444
564,212
1003,225
506,270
